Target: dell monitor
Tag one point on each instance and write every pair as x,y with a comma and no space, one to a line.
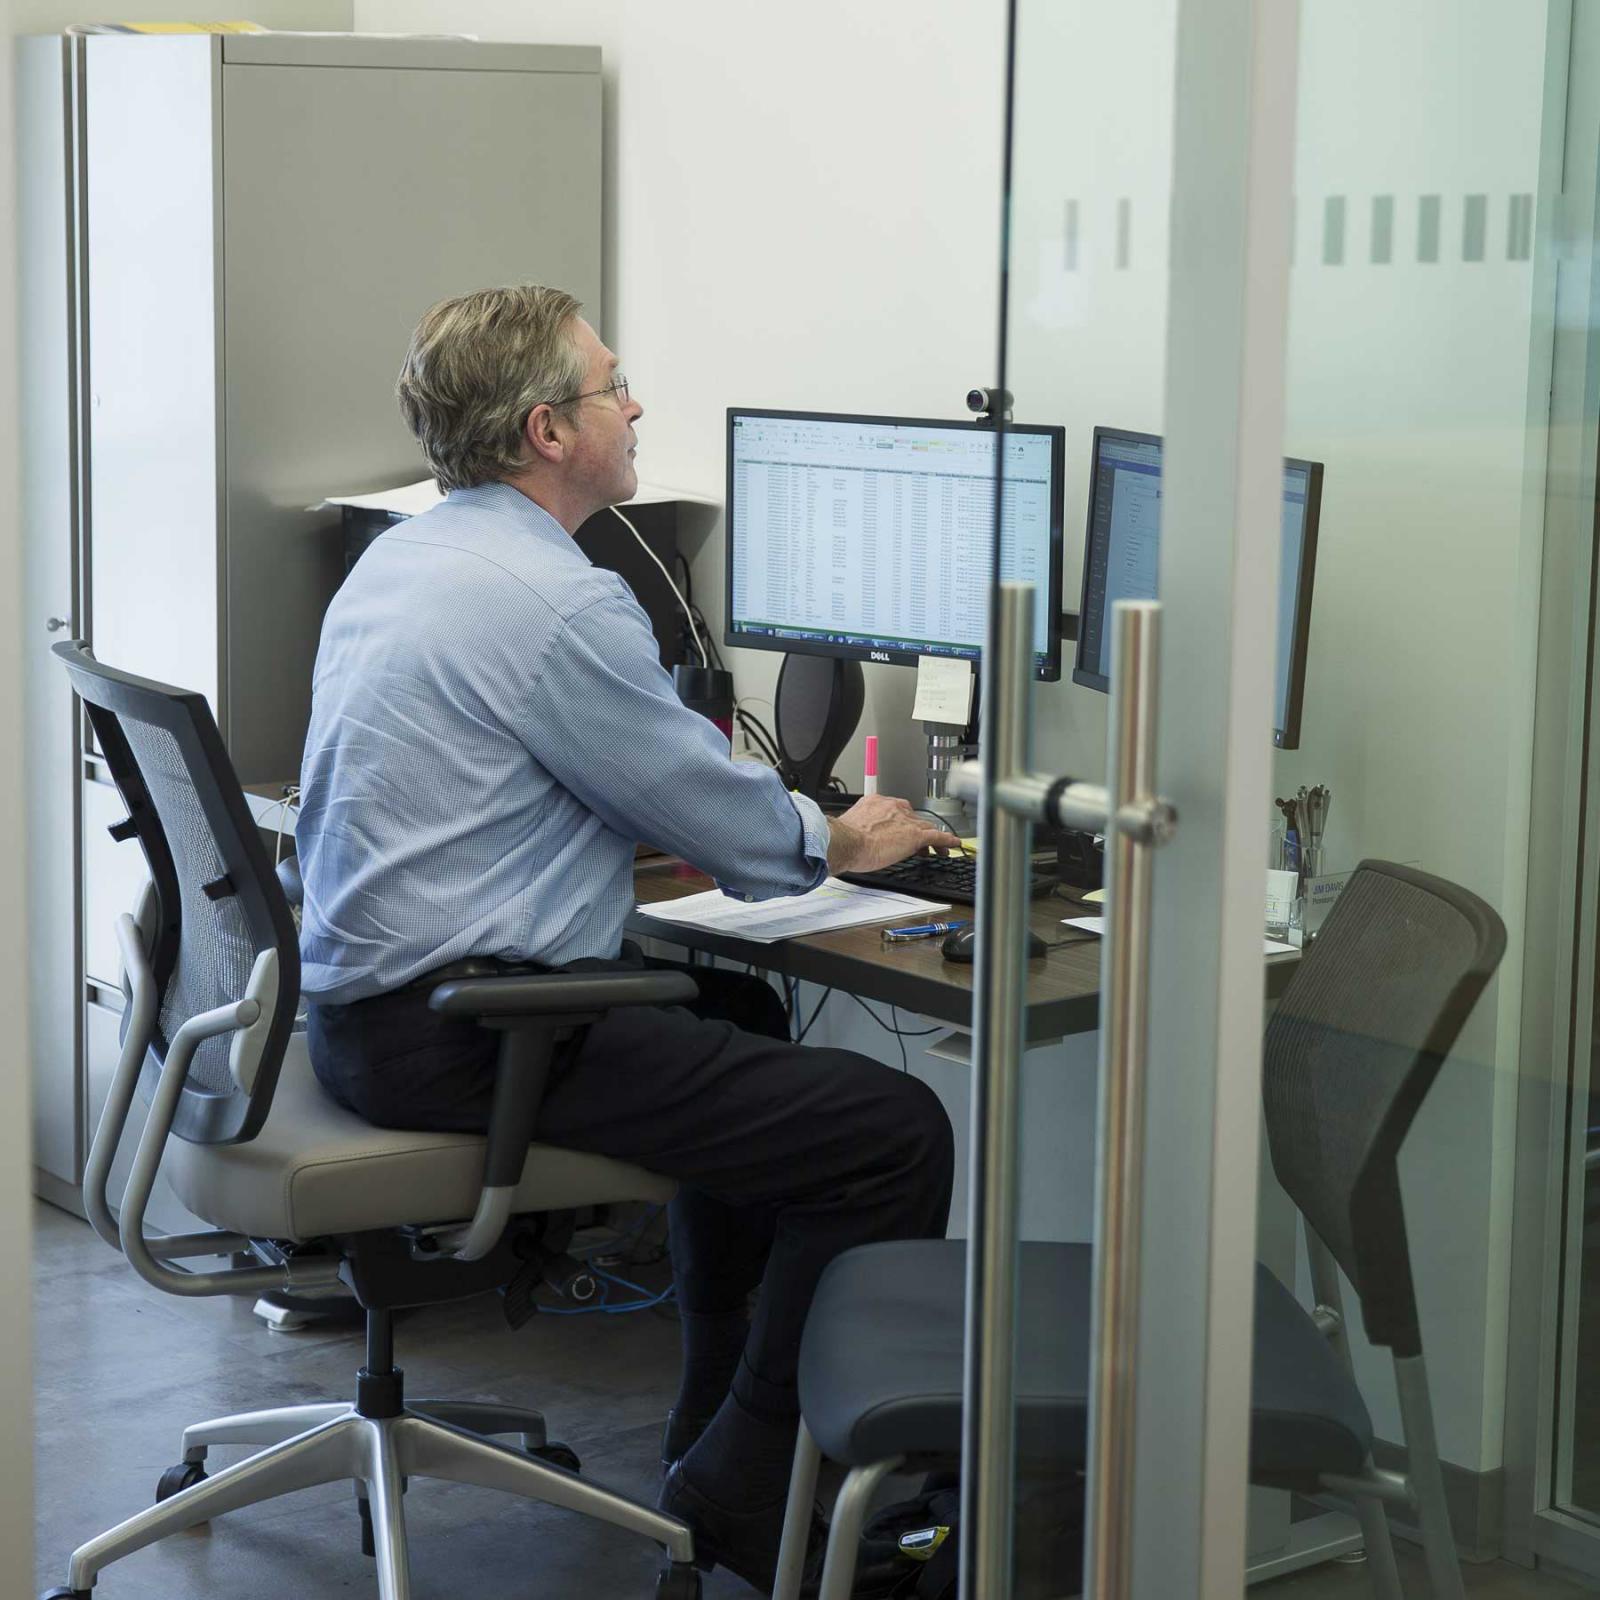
869,538
1123,542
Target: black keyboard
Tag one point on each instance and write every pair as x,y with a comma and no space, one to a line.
951,878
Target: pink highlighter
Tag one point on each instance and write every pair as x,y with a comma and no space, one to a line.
869,784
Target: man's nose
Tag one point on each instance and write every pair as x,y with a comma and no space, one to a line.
633,410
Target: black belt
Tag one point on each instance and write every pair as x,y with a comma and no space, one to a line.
474,967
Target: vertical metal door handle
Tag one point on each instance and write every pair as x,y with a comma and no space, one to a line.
1136,822
1124,1029
998,992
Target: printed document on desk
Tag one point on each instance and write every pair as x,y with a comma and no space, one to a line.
829,906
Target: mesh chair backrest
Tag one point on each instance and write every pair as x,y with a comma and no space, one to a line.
1351,1051
188,811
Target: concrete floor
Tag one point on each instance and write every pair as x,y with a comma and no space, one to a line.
1494,1580
120,1368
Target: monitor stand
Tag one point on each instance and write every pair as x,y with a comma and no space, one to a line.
815,709
946,746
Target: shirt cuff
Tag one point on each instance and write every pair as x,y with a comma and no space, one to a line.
818,835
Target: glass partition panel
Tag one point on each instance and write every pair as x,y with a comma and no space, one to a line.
1083,345
1554,1292
1424,629
1422,328
1087,303
1095,291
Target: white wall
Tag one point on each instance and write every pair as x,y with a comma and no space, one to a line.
1411,379
803,211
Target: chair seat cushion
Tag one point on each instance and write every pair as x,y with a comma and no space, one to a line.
880,1364
317,1169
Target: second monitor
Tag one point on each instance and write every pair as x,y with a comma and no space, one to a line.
1123,543
869,538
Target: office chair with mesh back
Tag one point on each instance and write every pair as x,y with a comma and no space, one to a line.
253,1146
1351,1050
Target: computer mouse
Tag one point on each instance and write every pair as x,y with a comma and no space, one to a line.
960,943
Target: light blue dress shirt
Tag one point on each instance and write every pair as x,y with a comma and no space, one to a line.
491,732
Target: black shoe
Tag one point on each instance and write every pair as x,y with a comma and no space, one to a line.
745,1542
681,1431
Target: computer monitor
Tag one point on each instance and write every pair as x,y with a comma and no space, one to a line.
1123,542
868,538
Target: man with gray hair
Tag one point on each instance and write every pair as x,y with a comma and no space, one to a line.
491,733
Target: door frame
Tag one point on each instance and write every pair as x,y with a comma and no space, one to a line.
1236,82
1557,1026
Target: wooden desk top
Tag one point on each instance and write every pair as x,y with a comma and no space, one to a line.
1063,984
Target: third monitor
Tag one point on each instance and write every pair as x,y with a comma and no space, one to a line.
1123,543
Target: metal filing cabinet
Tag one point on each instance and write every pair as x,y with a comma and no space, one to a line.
227,241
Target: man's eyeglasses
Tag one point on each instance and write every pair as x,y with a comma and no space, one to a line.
618,386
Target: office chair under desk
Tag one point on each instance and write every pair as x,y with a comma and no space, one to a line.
1351,1051
253,1145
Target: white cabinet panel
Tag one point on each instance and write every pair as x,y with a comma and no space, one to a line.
154,357
355,197
48,592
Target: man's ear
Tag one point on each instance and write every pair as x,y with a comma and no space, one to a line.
540,435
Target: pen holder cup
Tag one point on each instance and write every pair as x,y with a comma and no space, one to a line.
1283,884
1300,889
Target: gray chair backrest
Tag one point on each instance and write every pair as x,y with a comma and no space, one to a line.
1352,1049
219,904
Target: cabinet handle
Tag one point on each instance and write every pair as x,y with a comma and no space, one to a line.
56,624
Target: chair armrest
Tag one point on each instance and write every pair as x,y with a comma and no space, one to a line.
549,995
534,1014
289,876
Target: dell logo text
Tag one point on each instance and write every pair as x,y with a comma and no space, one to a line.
878,655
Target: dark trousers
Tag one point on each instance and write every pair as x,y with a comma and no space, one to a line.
785,1154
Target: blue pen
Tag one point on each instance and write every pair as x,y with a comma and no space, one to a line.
921,930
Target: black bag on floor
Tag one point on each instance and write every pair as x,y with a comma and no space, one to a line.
909,1550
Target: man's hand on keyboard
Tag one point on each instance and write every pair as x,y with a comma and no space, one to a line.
879,830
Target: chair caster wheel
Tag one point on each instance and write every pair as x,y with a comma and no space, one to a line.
176,1479
64,1593
558,1455
678,1581
369,1545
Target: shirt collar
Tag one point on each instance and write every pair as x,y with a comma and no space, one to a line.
510,502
